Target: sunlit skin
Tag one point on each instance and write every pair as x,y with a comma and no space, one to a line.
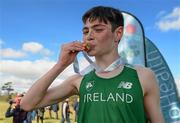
98,36
86,47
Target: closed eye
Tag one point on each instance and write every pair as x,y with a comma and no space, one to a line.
98,30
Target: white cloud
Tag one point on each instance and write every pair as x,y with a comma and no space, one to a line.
32,47
45,52
25,69
35,47
10,53
170,21
24,73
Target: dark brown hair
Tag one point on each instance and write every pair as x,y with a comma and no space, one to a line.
105,14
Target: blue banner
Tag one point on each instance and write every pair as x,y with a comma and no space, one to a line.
136,49
170,104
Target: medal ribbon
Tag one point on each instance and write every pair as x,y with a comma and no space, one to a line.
92,65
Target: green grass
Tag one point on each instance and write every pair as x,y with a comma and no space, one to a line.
4,106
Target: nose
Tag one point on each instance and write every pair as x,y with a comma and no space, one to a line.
90,36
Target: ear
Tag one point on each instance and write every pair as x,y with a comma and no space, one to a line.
118,33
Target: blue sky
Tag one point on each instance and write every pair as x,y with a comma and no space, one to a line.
32,31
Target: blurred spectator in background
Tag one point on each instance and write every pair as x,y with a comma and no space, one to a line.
55,108
49,108
14,110
65,111
18,98
40,114
76,109
30,116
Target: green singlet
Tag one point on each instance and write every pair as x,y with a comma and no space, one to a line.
112,100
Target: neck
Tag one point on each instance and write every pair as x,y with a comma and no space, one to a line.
105,60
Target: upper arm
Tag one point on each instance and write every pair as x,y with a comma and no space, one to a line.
56,94
151,96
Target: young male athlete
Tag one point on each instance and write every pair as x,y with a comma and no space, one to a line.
122,95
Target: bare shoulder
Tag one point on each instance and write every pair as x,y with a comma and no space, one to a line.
144,71
75,77
147,78
75,80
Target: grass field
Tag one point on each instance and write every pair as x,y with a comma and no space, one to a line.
4,106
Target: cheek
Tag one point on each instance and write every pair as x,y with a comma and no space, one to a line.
105,39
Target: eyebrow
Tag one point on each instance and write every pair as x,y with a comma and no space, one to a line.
96,25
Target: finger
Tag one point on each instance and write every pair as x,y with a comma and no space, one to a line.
76,46
76,49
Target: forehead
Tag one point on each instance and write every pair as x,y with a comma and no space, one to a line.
96,22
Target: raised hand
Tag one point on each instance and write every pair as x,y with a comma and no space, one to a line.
69,52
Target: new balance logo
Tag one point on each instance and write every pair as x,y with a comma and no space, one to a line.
125,85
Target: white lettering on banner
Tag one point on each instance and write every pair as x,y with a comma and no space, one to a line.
156,64
94,97
174,112
168,95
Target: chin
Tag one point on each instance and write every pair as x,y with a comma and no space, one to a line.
91,54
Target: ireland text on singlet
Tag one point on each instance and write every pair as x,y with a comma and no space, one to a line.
113,100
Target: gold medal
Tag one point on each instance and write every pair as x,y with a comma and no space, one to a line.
87,47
